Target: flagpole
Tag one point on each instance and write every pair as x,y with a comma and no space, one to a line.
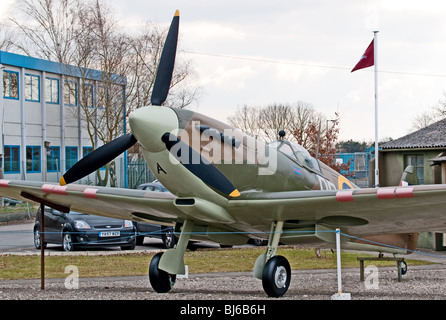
375,58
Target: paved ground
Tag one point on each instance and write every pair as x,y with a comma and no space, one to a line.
420,283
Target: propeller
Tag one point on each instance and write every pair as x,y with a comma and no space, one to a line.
98,158
103,155
166,64
203,169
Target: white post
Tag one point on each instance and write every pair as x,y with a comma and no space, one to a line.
338,259
375,59
339,295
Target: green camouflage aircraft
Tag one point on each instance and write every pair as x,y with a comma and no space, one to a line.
229,187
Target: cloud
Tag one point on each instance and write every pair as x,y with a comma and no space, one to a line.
230,79
310,34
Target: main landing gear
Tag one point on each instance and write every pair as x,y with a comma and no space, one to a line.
165,266
274,271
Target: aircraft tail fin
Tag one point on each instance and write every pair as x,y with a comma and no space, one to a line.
409,176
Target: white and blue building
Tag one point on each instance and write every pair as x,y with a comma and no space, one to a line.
42,131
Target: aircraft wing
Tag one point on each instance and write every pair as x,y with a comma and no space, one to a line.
360,212
357,212
148,206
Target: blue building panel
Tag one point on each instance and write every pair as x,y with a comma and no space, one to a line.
42,136
22,61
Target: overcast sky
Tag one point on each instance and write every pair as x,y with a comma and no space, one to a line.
262,52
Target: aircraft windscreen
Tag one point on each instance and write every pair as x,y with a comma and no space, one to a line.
297,152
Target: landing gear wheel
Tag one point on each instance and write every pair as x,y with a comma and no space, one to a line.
276,276
403,266
160,280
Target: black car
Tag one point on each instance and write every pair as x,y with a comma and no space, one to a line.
153,186
75,230
154,230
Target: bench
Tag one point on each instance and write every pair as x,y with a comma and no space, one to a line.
399,261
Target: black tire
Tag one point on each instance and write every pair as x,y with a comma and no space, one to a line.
129,246
276,276
37,239
160,280
139,240
403,266
259,242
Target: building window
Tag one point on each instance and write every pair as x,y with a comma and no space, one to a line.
12,159
70,93
71,157
86,151
52,90
53,159
417,161
32,87
10,84
32,159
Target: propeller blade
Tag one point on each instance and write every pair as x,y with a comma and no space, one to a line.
166,64
98,158
204,170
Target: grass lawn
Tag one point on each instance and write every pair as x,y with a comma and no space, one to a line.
199,261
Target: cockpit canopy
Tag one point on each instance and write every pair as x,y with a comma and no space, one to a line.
296,152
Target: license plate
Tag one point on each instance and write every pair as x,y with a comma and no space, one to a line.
109,234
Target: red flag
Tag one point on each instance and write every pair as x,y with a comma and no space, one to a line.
367,59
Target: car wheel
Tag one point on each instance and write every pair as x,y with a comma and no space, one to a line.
259,242
67,242
129,246
139,240
169,239
37,239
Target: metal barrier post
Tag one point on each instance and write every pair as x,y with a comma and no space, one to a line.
42,247
340,295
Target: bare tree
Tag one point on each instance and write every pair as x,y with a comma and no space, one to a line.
247,119
7,35
86,34
304,117
265,122
274,118
434,114
146,52
48,27
301,123
423,120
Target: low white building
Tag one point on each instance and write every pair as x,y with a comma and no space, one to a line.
42,131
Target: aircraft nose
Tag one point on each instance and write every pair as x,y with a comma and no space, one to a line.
148,124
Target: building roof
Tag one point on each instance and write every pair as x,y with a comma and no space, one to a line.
432,136
18,60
